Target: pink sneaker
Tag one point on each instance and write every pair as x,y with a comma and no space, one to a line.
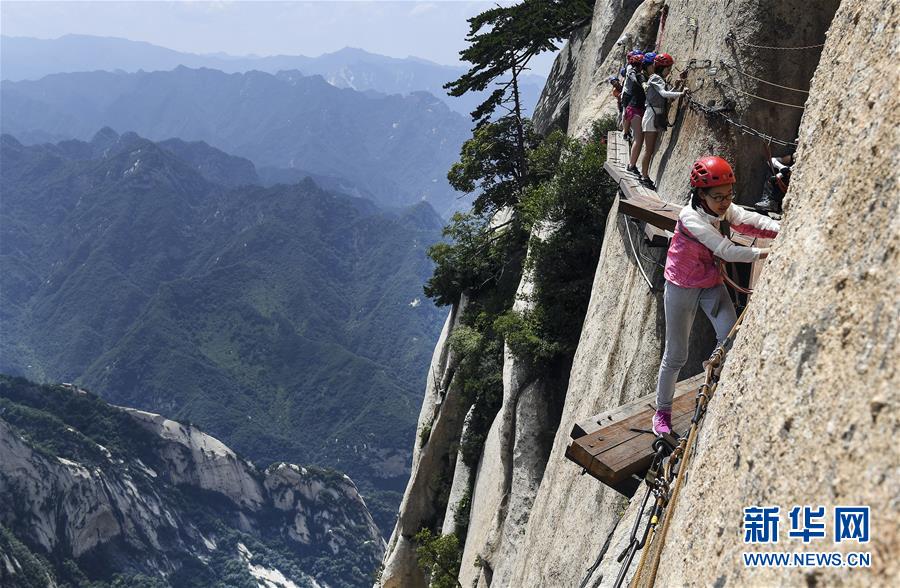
662,422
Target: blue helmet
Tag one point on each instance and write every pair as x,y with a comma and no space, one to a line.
649,57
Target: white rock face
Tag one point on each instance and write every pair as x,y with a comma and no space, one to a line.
512,463
824,318
462,478
440,422
66,501
318,504
201,460
127,507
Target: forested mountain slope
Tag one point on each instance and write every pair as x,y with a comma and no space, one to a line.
287,321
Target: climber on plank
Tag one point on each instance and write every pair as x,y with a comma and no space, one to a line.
617,94
634,113
655,119
692,275
633,97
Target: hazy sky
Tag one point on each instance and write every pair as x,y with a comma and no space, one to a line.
431,30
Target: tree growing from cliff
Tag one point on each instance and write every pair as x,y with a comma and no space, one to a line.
440,556
489,163
502,41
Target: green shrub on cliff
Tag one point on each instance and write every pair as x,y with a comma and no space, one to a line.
439,556
573,204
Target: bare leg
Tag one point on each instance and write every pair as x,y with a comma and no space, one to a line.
638,135
649,148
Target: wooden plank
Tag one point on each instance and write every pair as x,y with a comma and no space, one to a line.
613,452
615,459
596,422
623,464
576,453
638,462
639,201
624,459
657,237
649,212
620,433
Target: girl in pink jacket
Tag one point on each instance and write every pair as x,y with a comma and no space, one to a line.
692,275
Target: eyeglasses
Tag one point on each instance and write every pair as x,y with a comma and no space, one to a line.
721,197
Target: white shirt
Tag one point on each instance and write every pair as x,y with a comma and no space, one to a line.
657,85
705,228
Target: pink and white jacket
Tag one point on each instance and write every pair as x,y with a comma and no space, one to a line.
691,261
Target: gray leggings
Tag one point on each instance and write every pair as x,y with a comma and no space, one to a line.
681,307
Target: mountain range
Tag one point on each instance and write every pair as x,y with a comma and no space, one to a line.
26,58
398,147
286,320
102,496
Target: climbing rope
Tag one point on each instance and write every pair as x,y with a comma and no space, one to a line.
752,77
724,85
734,285
742,127
664,480
731,37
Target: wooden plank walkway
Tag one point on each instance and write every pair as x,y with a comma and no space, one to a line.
613,445
640,202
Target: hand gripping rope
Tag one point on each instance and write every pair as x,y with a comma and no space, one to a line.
665,477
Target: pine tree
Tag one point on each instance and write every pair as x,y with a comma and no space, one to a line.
502,41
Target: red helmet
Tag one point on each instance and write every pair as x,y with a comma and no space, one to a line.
663,60
636,58
709,171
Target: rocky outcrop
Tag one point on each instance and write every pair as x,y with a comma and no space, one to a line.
178,495
197,459
461,485
619,30
814,367
807,410
511,464
440,426
552,109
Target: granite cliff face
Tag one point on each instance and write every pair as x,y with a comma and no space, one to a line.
121,491
808,400
807,411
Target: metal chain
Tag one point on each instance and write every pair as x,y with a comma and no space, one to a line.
738,90
745,74
742,127
733,38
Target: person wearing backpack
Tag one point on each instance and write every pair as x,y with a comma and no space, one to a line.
631,85
635,111
693,277
655,118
